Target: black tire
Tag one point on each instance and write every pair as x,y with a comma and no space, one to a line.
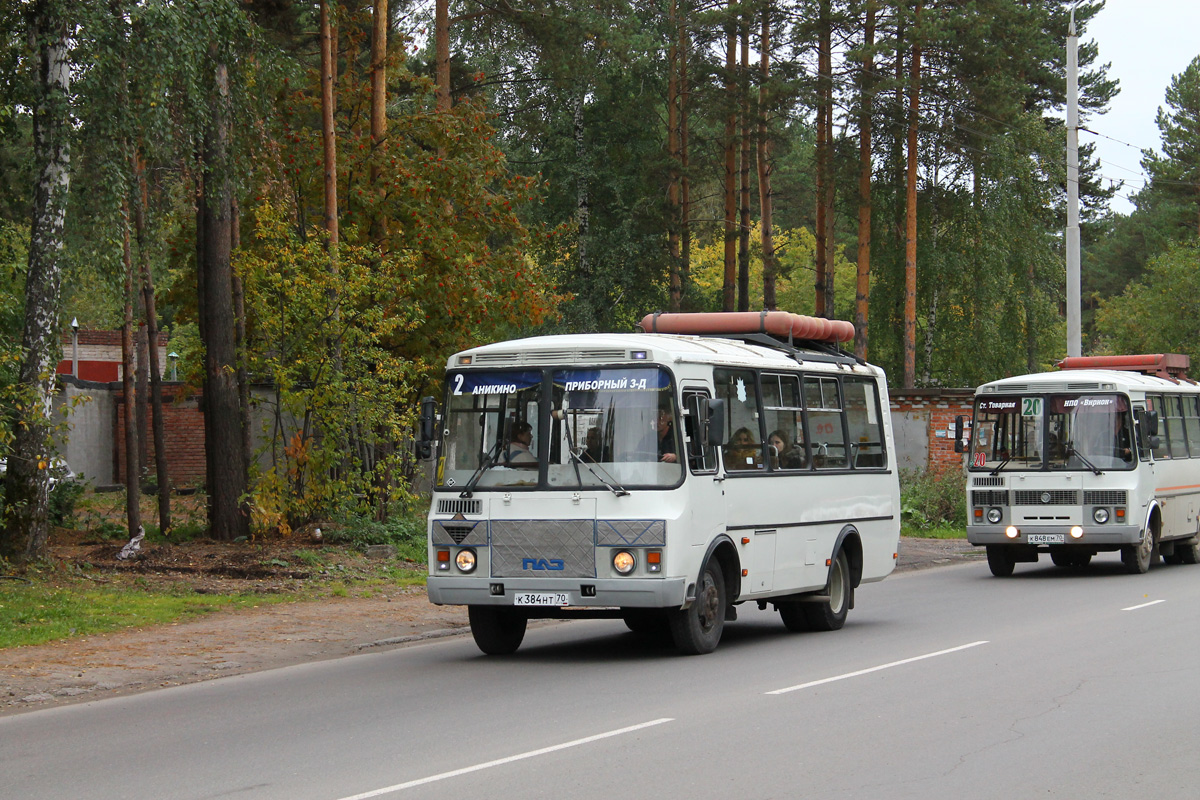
794,618
648,622
696,630
1000,560
830,615
497,631
1138,557
1070,560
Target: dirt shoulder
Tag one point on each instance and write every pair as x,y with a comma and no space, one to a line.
267,637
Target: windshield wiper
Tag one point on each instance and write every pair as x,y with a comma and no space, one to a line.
1071,451
1000,466
489,461
615,487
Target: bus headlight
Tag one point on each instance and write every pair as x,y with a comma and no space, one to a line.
624,562
1012,532
993,516
1100,515
1076,532
465,560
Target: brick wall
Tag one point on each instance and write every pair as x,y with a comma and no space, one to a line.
929,414
183,431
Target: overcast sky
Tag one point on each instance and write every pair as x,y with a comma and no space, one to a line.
1147,42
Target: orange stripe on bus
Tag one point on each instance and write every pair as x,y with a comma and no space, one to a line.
1177,488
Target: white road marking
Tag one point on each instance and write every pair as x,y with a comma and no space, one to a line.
875,669
399,787
1143,605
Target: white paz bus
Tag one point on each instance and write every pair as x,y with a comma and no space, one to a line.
1103,455
662,478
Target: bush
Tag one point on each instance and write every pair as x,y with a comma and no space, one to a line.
63,497
931,500
405,531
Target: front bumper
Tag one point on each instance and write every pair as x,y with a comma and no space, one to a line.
608,592
1093,535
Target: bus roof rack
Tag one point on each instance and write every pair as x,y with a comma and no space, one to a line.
780,330
1172,366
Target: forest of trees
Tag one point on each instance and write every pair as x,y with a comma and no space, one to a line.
331,196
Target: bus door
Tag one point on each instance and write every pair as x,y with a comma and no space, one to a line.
704,517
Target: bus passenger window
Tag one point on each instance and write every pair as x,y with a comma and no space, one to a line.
743,451
826,438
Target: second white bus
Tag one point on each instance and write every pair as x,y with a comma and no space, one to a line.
1103,455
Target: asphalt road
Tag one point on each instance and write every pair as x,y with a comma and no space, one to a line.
945,683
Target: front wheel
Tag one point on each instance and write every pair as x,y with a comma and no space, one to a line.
1137,557
697,629
497,631
1000,560
649,622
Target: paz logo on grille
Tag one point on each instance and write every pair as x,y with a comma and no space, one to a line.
1045,497
542,563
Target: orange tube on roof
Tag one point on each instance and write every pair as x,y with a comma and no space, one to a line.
775,323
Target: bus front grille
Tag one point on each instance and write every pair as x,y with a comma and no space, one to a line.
989,498
1110,497
1051,497
547,548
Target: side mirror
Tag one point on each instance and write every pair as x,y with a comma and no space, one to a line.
426,428
713,421
960,445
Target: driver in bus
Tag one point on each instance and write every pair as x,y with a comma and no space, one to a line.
518,453
666,435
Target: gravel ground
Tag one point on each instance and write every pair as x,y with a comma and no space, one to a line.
249,640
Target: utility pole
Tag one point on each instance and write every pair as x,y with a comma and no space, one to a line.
1074,336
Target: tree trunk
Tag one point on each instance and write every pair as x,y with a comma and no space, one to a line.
685,190
744,170
162,474
862,292
441,24
729,299
910,240
26,484
133,466
328,139
582,200
379,45
239,335
675,286
770,264
222,417
142,374
824,68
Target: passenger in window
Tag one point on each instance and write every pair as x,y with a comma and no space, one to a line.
666,435
518,452
743,452
785,454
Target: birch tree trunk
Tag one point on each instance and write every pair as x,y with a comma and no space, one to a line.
26,485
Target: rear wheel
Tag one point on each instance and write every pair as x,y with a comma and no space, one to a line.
830,615
1000,560
497,631
1137,557
1188,553
697,629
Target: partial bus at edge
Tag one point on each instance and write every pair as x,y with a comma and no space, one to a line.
671,477
1101,456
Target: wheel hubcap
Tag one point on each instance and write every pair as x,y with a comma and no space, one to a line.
837,588
708,603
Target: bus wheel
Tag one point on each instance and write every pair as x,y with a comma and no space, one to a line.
1000,560
696,629
830,615
1137,557
497,631
1070,560
646,621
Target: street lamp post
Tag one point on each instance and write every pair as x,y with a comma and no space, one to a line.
174,364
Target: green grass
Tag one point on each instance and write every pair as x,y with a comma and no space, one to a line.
34,613
935,532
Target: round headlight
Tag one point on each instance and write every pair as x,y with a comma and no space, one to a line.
1100,515
624,562
1076,532
993,515
465,560
1012,532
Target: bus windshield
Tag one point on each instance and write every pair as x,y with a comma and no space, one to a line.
1058,432
592,428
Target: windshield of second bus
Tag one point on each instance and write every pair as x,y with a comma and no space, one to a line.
1058,432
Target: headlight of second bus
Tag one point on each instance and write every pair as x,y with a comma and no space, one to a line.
624,562
1100,515
993,516
465,560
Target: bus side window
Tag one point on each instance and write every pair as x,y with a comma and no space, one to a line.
743,448
864,423
827,442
